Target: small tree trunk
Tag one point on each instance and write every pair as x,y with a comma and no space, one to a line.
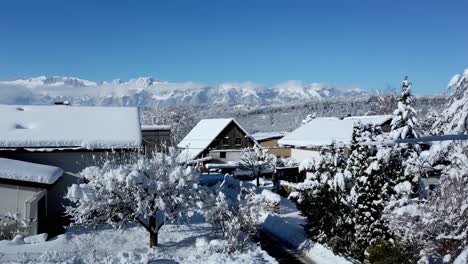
153,239
153,235
258,180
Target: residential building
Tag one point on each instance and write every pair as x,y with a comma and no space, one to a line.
219,140
70,138
307,140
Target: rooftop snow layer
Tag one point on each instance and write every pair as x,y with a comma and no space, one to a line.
30,172
201,136
61,126
328,130
268,135
155,127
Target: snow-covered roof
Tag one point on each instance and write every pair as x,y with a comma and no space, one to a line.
61,126
201,136
29,172
259,136
327,130
155,127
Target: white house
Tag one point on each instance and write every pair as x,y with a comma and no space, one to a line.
24,191
220,140
68,137
307,140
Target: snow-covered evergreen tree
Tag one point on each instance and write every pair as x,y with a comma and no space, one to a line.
371,188
404,123
149,192
370,193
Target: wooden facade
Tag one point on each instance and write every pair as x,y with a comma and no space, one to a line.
273,148
232,137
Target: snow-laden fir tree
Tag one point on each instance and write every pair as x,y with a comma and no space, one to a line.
404,122
405,125
371,191
258,161
372,185
149,192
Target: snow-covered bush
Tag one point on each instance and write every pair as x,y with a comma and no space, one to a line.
440,224
258,161
391,252
309,118
321,199
12,224
150,192
235,220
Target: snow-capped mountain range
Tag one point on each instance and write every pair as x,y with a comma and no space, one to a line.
148,91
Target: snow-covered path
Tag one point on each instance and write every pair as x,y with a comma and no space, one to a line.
287,227
106,245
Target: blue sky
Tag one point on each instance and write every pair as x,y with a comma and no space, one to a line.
366,43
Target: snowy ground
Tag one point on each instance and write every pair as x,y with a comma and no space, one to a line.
106,245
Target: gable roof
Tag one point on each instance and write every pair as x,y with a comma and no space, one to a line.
328,130
28,172
62,126
202,135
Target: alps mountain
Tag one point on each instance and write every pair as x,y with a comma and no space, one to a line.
148,91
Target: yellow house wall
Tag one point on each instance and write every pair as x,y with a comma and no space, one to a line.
283,152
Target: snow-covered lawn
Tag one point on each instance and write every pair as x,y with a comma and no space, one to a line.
179,243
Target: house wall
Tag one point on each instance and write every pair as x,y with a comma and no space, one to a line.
278,152
231,155
302,154
72,162
22,200
155,140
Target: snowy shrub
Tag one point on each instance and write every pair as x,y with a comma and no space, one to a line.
12,224
391,252
257,161
322,200
150,192
235,220
440,224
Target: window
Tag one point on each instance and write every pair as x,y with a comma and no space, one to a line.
238,141
226,141
222,155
